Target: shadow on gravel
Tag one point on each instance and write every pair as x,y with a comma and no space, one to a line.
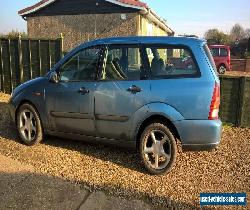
106,152
125,157
7,127
36,191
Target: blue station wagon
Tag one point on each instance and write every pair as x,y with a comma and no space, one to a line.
145,92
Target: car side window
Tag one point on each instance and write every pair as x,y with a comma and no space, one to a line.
170,61
81,66
122,63
215,52
223,52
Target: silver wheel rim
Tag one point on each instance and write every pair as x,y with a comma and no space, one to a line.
222,70
27,125
157,150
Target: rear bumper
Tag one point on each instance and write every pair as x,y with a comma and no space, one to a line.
198,135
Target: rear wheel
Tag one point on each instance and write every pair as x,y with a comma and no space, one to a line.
158,148
29,125
222,69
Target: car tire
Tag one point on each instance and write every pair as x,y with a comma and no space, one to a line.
29,125
158,149
222,69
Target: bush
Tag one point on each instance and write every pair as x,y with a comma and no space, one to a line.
14,34
247,55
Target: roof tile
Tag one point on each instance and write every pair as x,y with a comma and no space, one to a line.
129,2
134,3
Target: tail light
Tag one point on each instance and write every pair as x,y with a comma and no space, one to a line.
215,103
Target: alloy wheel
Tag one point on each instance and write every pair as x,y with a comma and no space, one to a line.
27,125
222,69
157,150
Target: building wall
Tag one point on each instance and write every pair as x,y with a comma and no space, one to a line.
80,28
149,28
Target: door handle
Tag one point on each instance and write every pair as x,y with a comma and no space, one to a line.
83,91
134,89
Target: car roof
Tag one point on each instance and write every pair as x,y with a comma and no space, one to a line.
146,40
218,46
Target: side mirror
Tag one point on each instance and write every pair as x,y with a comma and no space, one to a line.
54,77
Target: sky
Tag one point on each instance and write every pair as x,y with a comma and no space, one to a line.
184,17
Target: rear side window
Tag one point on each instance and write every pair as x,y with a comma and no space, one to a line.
210,57
215,52
223,52
171,61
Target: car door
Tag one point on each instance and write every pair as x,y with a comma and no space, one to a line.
121,91
71,100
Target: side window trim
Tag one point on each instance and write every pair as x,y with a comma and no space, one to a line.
97,69
145,61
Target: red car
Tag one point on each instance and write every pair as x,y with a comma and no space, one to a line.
221,55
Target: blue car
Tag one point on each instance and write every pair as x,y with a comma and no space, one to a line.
144,92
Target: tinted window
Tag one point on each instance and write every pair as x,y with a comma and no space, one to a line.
223,52
122,63
168,61
81,66
215,52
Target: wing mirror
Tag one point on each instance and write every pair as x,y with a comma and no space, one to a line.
54,77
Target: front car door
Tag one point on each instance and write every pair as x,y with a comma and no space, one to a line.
122,90
71,101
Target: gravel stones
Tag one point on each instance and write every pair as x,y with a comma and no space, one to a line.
119,172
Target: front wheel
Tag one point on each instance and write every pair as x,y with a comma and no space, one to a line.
158,148
29,125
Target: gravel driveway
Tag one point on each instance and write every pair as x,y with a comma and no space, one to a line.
119,172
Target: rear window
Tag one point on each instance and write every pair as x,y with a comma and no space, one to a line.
171,61
210,57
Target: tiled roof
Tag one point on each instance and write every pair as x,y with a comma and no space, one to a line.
44,3
134,3
37,5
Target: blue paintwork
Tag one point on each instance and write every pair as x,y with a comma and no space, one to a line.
183,101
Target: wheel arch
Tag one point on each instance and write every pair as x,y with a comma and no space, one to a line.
26,101
153,118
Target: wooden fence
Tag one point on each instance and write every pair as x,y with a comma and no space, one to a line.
235,100
240,64
24,59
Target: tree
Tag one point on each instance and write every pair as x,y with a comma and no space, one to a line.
248,45
14,34
211,33
214,36
247,33
237,32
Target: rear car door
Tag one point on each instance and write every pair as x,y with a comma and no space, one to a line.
71,101
176,80
122,90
